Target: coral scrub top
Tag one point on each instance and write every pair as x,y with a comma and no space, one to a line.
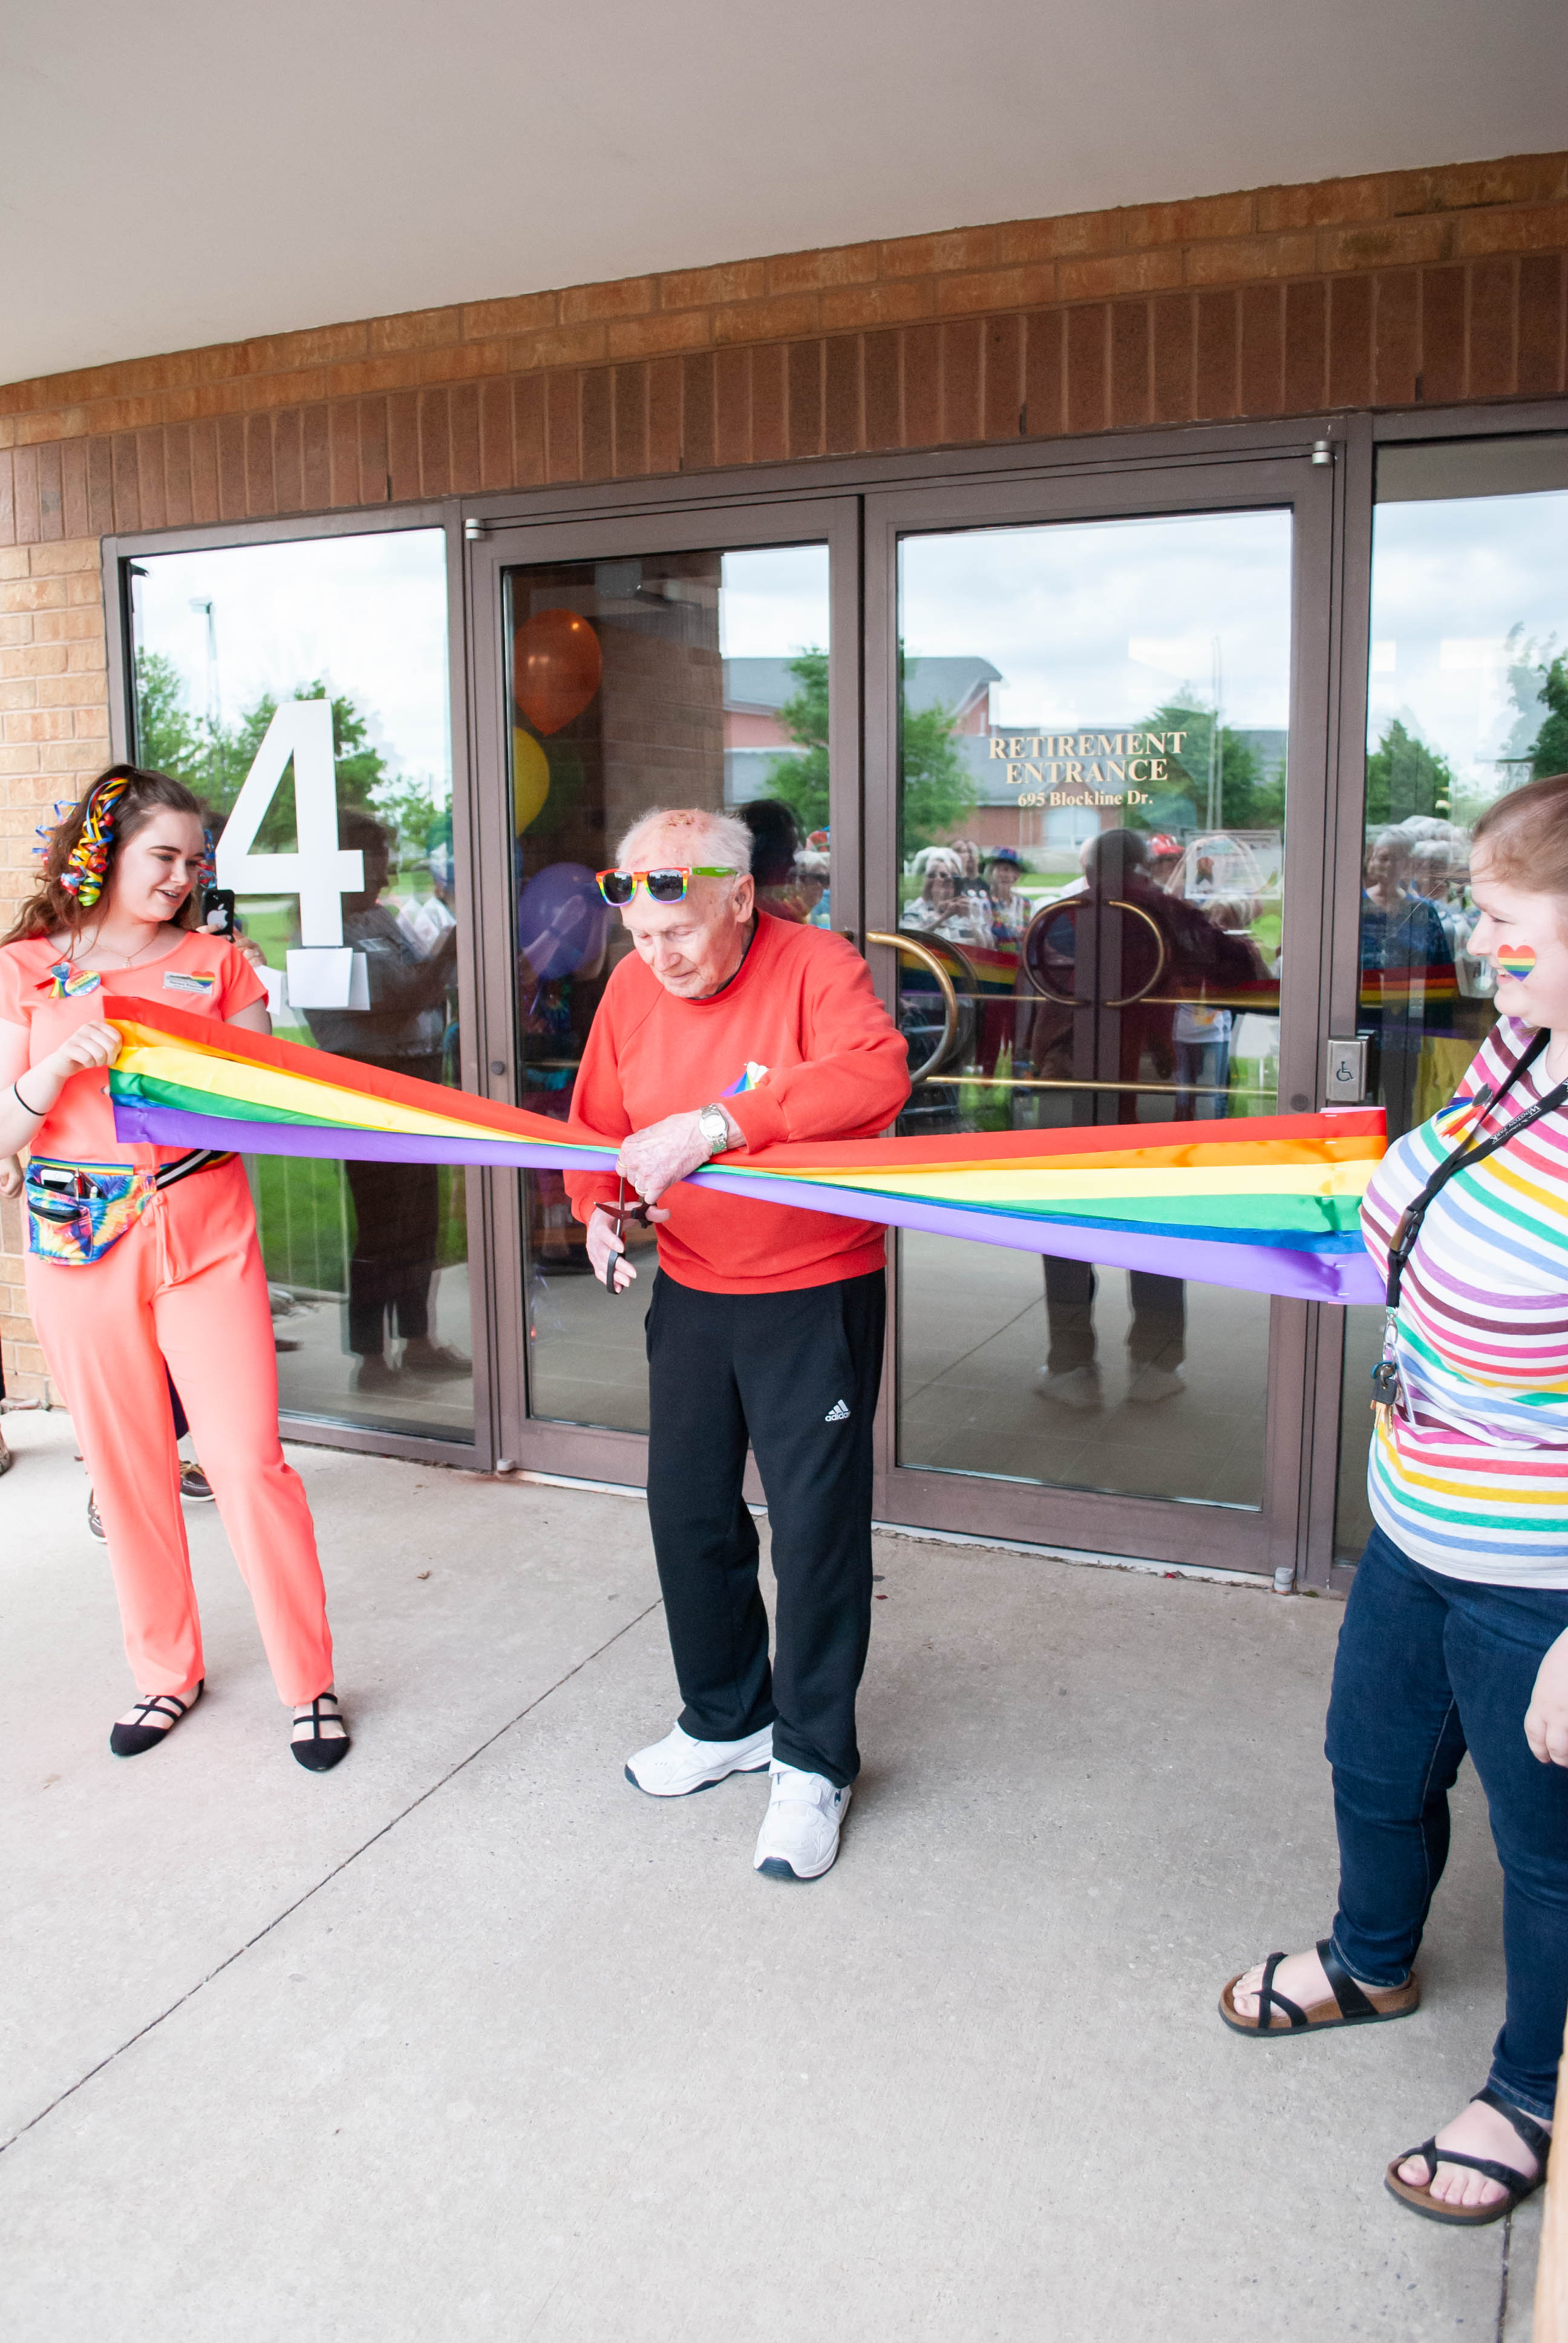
205,976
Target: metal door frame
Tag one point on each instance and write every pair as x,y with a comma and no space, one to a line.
117,555
537,1444
1159,1529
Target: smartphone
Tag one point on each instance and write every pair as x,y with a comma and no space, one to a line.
218,899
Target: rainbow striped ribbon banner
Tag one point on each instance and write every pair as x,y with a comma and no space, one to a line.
1270,1204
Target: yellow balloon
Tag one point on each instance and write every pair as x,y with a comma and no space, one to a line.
530,778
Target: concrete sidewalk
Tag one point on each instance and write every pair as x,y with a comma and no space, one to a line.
469,2039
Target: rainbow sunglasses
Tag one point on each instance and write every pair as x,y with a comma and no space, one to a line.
666,886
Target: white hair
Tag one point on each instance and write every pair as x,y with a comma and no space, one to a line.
698,836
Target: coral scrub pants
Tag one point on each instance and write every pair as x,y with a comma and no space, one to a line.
186,1286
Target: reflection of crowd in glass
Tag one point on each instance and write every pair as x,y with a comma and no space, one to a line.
966,898
1417,975
1417,874
1176,1023
791,872
1188,968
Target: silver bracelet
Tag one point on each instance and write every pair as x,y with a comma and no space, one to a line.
38,1113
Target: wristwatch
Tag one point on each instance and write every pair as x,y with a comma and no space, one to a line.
714,1125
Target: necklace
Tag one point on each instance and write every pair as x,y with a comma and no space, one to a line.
125,958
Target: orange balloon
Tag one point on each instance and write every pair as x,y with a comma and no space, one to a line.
557,664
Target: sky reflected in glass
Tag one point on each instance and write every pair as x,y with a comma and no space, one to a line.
1468,596
365,614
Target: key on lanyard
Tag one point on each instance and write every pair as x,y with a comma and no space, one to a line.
1387,1391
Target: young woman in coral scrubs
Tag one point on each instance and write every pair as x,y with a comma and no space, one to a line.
139,1256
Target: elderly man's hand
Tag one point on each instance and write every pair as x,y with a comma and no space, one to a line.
607,1252
655,1159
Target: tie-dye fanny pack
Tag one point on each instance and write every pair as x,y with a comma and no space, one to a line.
76,1212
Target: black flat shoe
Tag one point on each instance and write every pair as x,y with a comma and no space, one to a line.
131,1740
318,1752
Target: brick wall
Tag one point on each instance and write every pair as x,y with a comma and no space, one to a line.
53,730
1415,285
1391,290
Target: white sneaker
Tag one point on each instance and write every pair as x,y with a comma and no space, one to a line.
1152,1384
799,1836
675,1766
1079,1388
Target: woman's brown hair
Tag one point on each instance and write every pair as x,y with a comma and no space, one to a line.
1524,836
52,905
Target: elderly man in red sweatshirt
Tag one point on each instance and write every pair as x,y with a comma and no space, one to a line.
728,1030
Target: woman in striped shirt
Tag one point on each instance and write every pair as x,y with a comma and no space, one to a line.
1455,1637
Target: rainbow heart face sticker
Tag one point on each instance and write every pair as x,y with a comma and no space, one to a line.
1517,961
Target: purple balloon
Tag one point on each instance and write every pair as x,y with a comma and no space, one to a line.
561,920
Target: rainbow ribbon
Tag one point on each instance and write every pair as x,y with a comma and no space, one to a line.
1271,1204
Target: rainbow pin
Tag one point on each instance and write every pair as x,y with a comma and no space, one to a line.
66,984
1517,961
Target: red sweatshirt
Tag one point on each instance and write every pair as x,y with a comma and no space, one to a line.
800,1005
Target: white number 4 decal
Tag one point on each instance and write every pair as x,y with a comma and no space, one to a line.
322,872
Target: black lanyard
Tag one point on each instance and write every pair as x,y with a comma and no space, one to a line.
1409,1230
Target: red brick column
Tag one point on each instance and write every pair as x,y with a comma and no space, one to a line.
54,731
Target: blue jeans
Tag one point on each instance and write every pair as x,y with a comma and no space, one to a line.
1428,1667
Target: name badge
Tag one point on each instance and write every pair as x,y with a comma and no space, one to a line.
176,981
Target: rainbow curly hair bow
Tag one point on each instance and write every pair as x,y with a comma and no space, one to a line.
88,860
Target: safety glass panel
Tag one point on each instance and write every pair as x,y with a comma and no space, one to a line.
1092,779
1467,696
689,678
301,691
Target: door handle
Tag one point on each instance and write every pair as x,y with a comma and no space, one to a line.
927,960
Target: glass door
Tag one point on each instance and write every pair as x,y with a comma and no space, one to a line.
1467,696
690,660
1100,881
300,686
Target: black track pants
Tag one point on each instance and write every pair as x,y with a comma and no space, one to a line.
775,1368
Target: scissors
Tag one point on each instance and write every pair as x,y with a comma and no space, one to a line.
620,1212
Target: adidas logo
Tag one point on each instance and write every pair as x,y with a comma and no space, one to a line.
837,1413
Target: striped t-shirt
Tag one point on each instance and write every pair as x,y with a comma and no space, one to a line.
1471,1476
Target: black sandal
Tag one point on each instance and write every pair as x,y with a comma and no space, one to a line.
1352,2004
321,1751
1536,2138
131,1740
